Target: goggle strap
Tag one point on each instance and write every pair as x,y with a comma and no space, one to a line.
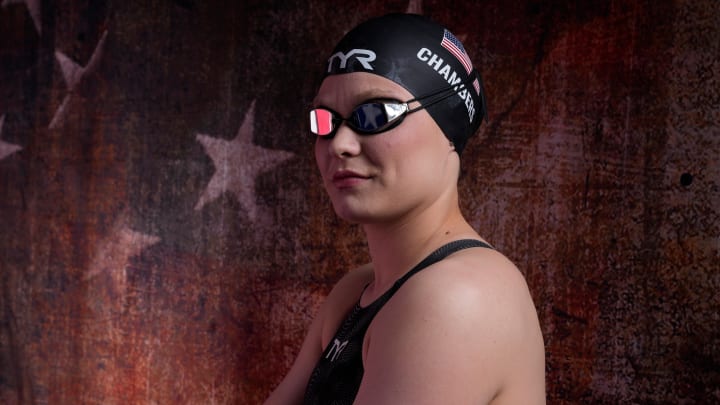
439,95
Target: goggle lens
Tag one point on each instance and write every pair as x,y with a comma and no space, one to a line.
374,117
321,122
366,119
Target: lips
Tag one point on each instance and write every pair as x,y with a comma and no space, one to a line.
348,178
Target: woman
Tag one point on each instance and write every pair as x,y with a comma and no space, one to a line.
438,316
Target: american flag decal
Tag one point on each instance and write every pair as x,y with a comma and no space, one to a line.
454,46
476,85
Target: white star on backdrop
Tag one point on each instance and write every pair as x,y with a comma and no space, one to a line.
33,7
6,149
115,251
237,163
73,73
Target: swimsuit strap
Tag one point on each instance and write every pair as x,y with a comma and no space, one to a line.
439,254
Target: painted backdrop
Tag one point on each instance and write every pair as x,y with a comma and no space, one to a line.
164,237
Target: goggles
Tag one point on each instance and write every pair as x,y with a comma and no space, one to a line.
373,116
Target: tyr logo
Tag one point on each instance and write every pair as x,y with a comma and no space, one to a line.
336,349
364,56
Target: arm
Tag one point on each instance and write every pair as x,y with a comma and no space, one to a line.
292,388
461,332
342,297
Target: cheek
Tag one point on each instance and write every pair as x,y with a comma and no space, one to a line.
319,156
414,143
419,154
322,162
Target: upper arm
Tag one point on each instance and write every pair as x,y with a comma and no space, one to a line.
453,339
292,388
343,295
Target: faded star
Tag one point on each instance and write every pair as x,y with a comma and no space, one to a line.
6,149
33,7
73,73
115,251
237,164
414,7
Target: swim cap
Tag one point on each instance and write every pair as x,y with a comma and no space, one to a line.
423,57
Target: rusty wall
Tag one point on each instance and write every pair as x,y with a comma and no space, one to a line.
165,238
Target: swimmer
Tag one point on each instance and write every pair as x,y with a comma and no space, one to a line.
438,316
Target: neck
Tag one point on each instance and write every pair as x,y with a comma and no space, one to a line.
397,246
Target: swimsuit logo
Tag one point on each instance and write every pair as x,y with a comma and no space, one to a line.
364,56
336,349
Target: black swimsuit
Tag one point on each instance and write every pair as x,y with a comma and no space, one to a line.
337,375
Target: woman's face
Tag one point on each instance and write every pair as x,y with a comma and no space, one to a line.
386,176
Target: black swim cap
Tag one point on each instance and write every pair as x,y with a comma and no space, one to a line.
423,57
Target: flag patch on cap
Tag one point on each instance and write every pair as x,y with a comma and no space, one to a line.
454,46
476,85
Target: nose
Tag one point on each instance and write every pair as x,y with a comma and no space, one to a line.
345,143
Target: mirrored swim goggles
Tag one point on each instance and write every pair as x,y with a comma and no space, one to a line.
374,116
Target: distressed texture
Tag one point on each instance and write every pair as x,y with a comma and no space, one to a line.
166,239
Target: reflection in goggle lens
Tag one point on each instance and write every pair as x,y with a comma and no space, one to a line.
367,118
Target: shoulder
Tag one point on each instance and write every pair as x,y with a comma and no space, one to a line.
467,321
475,277
343,296
476,283
353,280
350,286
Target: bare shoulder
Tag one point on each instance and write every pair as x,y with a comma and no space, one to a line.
353,280
480,285
464,330
344,295
472,278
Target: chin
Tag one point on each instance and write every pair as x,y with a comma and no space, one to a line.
361,216
350,216
354,214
